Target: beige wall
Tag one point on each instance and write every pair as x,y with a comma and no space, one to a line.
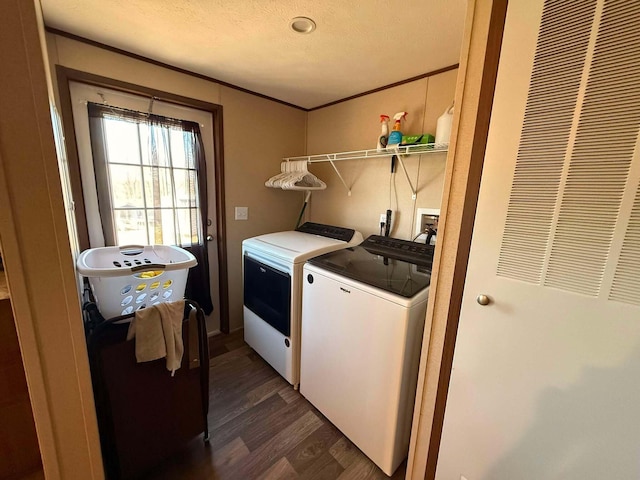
257,134
353,125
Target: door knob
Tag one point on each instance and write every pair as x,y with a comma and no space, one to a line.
483,299
209,238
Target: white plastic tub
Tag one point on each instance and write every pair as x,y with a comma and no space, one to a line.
126,279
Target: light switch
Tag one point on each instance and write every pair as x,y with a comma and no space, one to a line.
242,213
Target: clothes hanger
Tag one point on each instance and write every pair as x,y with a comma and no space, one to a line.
283,170
306,181
302,179
295,176
294,173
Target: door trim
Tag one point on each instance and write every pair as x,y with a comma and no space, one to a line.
37,255
66,75
474,98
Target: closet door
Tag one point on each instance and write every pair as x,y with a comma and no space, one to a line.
545,376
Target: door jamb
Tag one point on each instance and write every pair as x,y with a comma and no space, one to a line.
66,75
474,98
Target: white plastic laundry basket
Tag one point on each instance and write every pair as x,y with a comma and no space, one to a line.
126,279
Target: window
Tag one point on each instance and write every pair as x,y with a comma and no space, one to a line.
146,170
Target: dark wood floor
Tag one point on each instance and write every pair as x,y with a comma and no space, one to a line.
261,428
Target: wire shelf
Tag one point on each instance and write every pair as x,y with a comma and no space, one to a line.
398,150
420,149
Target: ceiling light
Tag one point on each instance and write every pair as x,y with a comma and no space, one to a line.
302,25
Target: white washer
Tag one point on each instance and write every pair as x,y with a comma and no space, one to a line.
272,277
362,324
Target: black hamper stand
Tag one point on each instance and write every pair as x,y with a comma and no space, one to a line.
144,414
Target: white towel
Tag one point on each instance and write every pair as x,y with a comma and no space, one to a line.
158,332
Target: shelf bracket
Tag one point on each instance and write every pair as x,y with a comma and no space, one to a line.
414,194
339,176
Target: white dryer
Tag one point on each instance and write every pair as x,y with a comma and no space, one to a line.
272,276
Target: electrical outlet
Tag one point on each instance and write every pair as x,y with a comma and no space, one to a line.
242,213
383,218
426,217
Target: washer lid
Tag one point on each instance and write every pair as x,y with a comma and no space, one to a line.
370,267
296,246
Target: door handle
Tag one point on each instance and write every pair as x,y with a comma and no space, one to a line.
209,238
483,299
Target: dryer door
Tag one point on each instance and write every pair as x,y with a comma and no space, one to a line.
267,293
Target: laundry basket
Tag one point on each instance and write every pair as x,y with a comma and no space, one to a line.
126,279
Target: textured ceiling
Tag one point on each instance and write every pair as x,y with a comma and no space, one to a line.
358,45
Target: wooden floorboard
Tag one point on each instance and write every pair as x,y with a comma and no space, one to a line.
263,429
312,448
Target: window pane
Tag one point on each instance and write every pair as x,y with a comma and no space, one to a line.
186,189
162,145
189,148
143,131
162,226
130,227
155,145
188,220
169,227
158,188
126,186
122,141
179,145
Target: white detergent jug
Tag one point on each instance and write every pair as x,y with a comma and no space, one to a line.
443,127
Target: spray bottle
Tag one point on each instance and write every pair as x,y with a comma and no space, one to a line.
384,135
396,135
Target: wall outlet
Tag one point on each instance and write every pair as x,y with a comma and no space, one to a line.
383,218
242,213
424,217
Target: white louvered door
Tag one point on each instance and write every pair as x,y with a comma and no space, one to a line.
546,377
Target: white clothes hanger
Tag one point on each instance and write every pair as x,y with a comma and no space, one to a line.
295,176
284,170
295,171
